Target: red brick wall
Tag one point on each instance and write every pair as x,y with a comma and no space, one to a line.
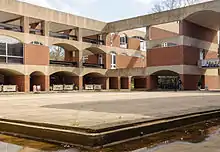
133,43
123,61
173,56
36,54
190,82
139,83
196,31
157,33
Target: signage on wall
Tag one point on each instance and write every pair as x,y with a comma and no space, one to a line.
212,63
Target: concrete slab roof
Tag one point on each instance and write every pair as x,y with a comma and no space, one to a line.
33,11
171,16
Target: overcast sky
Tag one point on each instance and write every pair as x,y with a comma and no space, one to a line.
103,10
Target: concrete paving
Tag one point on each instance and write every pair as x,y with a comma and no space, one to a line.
97,109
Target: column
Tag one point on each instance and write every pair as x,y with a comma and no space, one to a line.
147,38
47,83
79,34
24,21
107,83
151,82
119,83
45,27
79,82
79,58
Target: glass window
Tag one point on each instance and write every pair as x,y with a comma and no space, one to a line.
15,60
113,60
2,59
2,49
15,49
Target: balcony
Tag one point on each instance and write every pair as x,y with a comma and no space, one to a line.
10,27
93,41
92,65
209,64
63,36
63,63
36,31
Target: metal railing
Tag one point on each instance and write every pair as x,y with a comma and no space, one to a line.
63,63
92,65
93,41
36,31
10,27
63,36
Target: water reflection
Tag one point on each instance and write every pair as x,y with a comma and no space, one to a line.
180,138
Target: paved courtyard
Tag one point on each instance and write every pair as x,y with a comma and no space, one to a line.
101,108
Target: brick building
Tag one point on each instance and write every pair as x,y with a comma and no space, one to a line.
60,51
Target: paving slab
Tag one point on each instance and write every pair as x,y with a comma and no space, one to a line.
98,109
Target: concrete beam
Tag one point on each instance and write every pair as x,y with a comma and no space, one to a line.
161,17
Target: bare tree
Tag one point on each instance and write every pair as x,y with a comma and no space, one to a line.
163,5
57,53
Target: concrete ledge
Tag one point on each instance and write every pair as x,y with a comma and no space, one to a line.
96,137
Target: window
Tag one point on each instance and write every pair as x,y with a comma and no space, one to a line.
11,50
143,45
113,60
123,41
202,54
100,59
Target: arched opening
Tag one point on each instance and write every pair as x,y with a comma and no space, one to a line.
11,81
125,83
138,83
63,80
164,80
11,50
64,54
94,57
38,79
94,79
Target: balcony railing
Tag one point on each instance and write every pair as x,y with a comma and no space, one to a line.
63,36
92,65
10,27
63,63
93,41
36,31
210,63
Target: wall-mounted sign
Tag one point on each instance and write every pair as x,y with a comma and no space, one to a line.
212,63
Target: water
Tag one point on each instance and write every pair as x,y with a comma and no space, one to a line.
201,137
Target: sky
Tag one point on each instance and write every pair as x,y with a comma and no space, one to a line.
103,10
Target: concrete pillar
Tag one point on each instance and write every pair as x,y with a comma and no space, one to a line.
45,28
147,38
79,58
24,21
119,82
107,84
79,34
